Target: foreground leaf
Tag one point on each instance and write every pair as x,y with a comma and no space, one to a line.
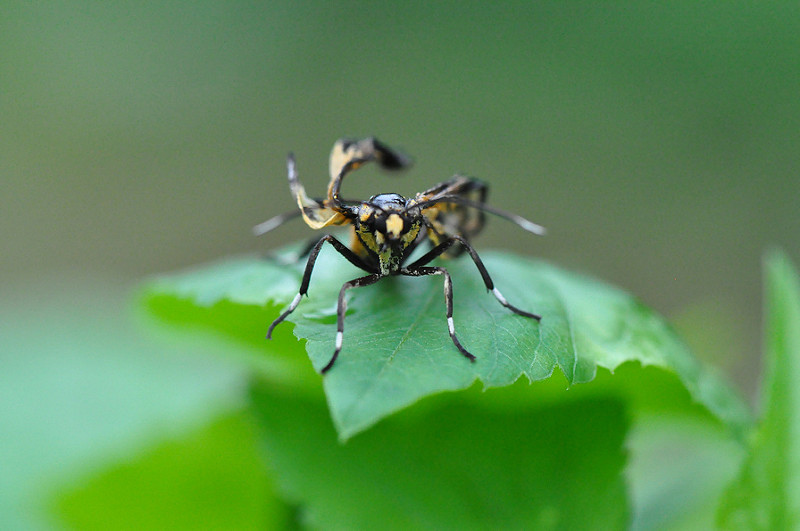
767,493
397,350
455,465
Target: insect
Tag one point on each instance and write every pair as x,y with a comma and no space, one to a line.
388,227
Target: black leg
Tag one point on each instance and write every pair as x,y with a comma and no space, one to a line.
306,249
433,253
342,308
448,299
487,280
303,253
312,258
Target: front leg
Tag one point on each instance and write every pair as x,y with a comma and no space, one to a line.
420,271
312,258
487,280
341,308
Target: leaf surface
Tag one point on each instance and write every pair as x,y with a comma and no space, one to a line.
211,478
397,349
454,465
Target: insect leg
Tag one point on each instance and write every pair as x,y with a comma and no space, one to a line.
305,250
433,253
295,257
349,155
341,308
314,211
448,300
312,258
487,280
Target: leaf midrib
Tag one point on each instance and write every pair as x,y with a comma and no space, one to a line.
414,324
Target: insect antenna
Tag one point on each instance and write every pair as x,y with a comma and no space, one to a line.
275,222
529,226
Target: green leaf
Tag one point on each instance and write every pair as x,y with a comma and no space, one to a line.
209,479
453,465
82,386
767,493
396,346
678,468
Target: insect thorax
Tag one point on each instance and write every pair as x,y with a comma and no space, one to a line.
387,229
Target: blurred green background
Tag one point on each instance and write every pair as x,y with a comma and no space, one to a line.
660,145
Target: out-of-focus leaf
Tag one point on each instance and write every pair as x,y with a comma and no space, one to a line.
678,469
396,346
210,479
81,387
455,465
767,493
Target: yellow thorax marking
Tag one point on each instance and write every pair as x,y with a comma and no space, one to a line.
394,226
366,212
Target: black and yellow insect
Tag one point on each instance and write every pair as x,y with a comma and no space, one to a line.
388,227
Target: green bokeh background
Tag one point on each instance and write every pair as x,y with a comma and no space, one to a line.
660,145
